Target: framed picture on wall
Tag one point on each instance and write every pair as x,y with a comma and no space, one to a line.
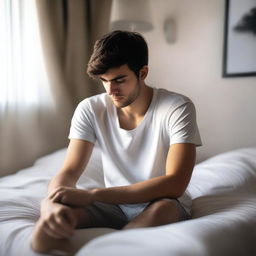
239,55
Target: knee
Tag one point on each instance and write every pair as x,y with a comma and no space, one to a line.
162,209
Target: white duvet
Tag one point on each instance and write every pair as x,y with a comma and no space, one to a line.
223,190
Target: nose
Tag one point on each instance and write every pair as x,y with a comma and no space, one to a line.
112,88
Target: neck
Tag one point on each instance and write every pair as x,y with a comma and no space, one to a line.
140,106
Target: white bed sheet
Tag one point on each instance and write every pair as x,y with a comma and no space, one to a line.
223,190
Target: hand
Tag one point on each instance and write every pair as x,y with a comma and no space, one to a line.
57,220
72,196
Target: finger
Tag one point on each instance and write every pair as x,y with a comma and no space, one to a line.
65,225
54,194
70,217
51,233
56,198
56,191
58,230
47,231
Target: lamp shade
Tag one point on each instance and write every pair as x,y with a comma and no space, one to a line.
133,15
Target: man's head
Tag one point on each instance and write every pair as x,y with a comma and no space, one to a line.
116,49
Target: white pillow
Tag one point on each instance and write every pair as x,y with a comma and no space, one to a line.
233,171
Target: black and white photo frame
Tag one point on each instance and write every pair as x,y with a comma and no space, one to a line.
239,55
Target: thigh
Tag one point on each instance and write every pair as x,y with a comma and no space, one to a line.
106,215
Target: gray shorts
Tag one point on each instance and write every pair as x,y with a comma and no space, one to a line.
114,216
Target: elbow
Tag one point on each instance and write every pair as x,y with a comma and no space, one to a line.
176,193
176,187
179,193
180,190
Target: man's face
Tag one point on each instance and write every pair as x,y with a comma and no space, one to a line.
122,85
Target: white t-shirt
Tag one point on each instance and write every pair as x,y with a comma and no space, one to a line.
130,156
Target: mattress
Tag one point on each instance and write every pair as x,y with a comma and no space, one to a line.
222,190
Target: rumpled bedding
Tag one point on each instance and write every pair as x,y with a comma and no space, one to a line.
223,190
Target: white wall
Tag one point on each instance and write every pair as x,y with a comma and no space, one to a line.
193,66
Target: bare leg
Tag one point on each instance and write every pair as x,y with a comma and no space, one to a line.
158,213
43,243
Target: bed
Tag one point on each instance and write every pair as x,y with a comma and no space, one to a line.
222,188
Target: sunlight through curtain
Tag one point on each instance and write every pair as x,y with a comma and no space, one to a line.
44,49
26,102
23,77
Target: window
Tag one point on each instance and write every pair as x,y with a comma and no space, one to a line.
23,76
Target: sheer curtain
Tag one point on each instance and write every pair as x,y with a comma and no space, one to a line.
24,87
44,49
24,82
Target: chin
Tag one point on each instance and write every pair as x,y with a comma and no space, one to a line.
119,105
122,103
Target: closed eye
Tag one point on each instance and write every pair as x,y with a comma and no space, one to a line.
119,81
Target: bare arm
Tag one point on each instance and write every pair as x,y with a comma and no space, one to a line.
58,220
78,155
179,166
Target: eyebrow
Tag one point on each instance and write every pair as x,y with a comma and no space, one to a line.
114,79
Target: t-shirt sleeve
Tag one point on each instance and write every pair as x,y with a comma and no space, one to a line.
182,125
82,123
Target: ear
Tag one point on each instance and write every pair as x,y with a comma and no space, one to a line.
143,72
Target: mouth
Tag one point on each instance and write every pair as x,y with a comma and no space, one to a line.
117,98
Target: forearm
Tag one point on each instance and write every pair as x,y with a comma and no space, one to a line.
145,191
61,179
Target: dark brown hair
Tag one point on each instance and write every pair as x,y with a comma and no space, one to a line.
118,48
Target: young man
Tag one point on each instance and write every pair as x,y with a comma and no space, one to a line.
148,140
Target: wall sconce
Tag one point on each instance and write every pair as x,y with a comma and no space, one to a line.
131,15
170,31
